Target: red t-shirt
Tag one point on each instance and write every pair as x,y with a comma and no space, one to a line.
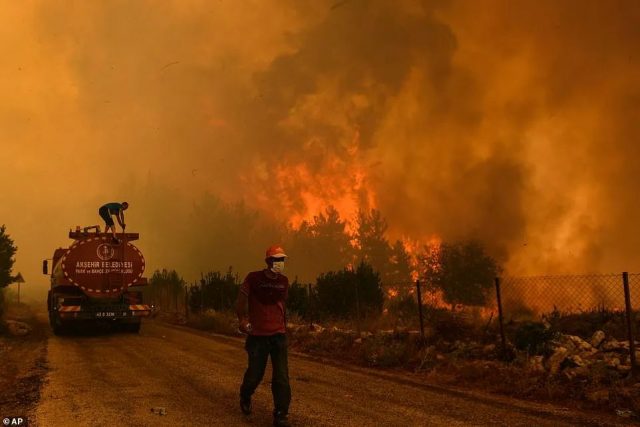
267,297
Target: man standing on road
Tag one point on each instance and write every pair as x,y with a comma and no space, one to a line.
261,313
116,209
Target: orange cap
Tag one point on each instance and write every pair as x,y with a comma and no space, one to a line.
275,251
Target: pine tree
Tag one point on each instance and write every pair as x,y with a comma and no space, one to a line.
7,253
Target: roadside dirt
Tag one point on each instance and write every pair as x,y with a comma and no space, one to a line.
23,364
118,379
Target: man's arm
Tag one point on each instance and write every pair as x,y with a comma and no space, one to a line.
120,218
242,304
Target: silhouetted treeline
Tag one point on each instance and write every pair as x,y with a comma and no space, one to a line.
350,269
461,272
215,290
166,290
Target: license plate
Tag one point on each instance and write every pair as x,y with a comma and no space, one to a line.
106,314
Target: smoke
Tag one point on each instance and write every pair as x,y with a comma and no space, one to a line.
514,123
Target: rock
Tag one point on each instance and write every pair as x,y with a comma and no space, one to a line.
598,396
615,345
580,343
577,372
553,363
623,369
613,362
17,329
597,338
159,410
577,360
317,328
565,342
625,413
536,364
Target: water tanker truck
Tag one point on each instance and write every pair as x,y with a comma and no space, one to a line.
96,279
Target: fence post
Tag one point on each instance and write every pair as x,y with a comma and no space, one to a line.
309,313
627,303
357,309
419,295
500,319
186,302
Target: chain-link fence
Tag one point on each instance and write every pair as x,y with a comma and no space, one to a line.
572,304
526,297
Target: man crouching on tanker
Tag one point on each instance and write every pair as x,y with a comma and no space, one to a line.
261,313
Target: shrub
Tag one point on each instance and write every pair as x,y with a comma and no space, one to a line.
387,352
533,337
298,300
340,293
585,323
219,322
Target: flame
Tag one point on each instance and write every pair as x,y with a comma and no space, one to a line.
416,248
306,194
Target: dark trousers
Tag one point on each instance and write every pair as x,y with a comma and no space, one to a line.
259,349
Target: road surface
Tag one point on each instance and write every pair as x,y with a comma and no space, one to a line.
116,379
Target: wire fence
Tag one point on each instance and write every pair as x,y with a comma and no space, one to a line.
572,304
524,296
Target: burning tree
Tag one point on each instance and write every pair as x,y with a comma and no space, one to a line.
462,271
371,243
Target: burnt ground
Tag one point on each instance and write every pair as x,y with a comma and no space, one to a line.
23,364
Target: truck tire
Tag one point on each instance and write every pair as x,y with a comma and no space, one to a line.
134,328
56,325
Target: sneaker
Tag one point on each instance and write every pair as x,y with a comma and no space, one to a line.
280,419
245,406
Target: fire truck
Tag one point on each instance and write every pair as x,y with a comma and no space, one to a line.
96,280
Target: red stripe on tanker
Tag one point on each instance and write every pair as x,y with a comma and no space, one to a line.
102,268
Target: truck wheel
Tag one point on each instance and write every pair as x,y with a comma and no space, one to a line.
56,325
134,328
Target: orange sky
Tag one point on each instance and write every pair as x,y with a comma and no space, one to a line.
514,122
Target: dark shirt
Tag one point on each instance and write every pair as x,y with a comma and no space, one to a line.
267,298
113,208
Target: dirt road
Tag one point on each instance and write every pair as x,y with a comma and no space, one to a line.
115,379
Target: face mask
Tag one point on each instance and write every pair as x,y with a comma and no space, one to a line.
278,267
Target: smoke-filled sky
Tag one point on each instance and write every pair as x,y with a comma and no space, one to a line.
514,122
